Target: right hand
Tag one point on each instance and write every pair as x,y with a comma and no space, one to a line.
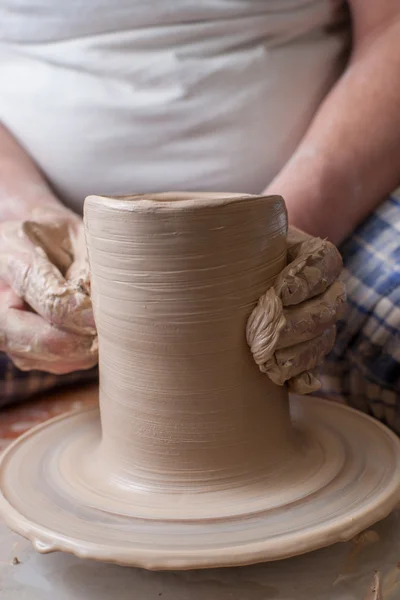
293,326
46,318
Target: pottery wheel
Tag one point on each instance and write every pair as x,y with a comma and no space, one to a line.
344,476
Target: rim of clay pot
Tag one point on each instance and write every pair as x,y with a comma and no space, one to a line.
174,200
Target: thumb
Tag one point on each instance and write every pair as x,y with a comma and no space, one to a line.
315,265
78,275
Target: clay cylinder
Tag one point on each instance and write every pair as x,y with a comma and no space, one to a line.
174,278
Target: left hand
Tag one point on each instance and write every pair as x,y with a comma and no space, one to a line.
292,327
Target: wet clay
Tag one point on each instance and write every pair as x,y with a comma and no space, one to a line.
375,591
173,284
197,458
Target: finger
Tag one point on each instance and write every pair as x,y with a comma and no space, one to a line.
54,240
79,269
294,238
315,265
289,362
55,368
29,337
309,319
78,275
41,285
304,383
264,327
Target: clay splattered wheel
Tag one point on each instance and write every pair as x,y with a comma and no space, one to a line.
352,481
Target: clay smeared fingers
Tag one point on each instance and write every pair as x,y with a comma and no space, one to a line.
78,275
78,272
32,341
33,258
311,318
286,363
52,238
304,383
314,264
55,368
37,281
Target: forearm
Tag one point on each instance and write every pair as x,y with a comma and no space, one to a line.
22,185
349,159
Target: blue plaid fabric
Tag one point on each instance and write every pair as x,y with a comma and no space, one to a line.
363,369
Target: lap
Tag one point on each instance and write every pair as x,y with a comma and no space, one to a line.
17,386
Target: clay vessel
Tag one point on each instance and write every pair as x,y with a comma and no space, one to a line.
174,280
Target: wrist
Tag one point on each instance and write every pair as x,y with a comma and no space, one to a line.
23,186
318,199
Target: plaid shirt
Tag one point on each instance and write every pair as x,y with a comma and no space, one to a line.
363,370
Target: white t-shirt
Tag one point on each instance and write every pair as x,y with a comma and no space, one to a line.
122,96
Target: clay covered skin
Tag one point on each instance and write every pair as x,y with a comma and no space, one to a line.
293,326
174,279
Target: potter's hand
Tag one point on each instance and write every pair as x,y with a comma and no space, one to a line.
293,327
46,319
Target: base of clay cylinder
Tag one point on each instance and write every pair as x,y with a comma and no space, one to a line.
343,477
